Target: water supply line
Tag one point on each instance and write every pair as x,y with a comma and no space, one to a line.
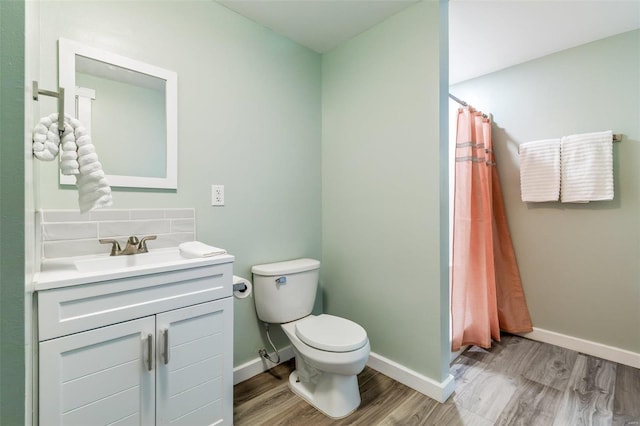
263,352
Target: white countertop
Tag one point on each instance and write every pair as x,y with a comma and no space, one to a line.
62,272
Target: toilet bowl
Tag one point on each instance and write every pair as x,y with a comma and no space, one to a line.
330,351
328,379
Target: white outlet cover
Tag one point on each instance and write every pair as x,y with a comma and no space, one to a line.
217,195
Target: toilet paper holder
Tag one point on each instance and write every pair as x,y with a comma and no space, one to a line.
241,287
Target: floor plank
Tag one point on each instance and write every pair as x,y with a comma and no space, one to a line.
551,366
468,365
249,389
414,411
451,414
626,400
264,407
515,355
487,394
379,396
588,399
299,414
533,404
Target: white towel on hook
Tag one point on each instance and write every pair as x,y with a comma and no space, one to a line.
540,170
46,139
78,158
587,167
46,143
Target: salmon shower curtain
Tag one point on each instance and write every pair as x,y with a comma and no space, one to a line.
486,291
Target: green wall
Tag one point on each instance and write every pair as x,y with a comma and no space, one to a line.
253,108
12,207
381,187
579,262
248,118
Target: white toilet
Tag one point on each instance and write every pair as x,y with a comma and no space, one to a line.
330,351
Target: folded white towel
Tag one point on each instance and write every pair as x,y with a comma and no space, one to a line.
78,158
192,249
587,167
540,170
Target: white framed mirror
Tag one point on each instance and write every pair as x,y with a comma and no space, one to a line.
130,110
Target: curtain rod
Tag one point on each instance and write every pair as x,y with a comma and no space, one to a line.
458,100
617,137
463,103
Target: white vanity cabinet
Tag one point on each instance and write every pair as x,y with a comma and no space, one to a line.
98,376
142,350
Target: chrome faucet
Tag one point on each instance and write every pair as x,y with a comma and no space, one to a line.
142,246
134,246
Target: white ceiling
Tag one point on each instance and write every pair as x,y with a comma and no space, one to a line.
512,32
509,31
319,25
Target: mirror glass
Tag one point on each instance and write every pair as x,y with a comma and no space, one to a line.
129,109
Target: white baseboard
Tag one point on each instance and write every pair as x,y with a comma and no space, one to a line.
440,391
259,365
611,353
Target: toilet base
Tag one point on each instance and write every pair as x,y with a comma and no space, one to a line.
334,395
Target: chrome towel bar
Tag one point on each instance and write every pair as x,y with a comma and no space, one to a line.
60,95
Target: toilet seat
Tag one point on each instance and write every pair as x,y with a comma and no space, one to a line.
331,333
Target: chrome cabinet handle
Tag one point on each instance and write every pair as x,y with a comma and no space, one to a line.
149,352
165,354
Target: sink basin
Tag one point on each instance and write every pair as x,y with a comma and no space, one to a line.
106,263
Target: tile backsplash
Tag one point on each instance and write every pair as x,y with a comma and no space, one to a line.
64,233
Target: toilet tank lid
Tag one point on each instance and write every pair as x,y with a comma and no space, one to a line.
287,267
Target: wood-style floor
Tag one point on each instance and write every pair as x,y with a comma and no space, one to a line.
517,382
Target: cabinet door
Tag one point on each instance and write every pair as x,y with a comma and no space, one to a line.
195,366
99,377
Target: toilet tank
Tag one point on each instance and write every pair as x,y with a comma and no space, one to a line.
285,291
